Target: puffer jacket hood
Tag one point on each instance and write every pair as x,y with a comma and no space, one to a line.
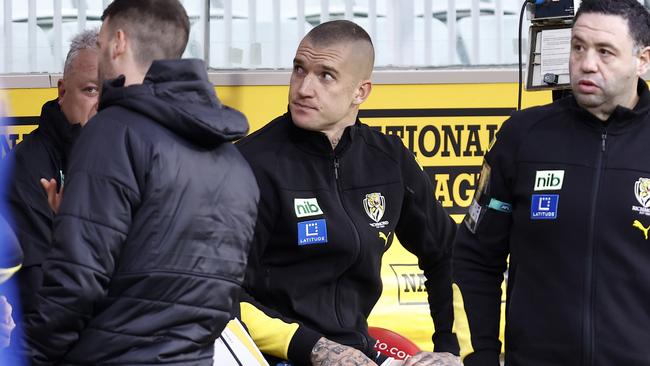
178,95
150,244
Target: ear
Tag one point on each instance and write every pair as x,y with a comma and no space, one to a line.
362,92
643,61
119,44
60,86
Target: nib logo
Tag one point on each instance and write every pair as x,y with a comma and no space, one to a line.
549,180
306,207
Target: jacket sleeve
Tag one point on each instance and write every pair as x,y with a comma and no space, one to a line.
31,218
274,333
94,218
480,255
426,230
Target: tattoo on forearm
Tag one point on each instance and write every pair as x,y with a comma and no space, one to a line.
328,353
437,359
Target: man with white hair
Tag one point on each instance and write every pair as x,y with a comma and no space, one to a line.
41,160
150,243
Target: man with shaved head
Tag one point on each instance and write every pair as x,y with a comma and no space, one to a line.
334,192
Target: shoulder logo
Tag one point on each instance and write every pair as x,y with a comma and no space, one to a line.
549,180
306,207
642,191
375,205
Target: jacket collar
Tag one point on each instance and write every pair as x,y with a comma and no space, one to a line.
317,143
621,117
55,128
178,95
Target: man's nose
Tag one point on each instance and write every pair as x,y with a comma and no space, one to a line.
306,86
589,62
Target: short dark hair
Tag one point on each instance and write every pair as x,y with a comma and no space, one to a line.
340,31
637,16
159,28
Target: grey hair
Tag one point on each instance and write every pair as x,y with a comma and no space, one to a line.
87,39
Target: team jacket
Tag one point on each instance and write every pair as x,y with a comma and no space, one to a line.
44,153
325,219
151,240
567,196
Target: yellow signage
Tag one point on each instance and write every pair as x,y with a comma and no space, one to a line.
448,127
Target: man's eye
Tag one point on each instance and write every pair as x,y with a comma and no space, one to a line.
91,90
327,76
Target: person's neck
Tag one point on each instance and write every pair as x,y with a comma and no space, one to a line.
133,77
335,135
604,112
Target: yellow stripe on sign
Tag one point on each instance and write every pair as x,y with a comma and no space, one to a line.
271,335
26,102
5,273
461,324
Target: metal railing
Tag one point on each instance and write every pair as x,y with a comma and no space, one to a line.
263,34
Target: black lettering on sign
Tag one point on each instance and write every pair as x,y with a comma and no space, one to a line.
445,140
454,186
410,284
9,138
414,282
440,138
8,142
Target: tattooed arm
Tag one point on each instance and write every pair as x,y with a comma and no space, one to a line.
433,359
328,353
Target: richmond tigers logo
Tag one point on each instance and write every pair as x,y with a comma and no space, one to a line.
375,205
642,191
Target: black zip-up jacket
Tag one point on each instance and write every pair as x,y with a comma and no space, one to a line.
42,154
325,219
151,240
568,197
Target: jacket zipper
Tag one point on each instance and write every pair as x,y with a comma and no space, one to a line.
356,234
588,327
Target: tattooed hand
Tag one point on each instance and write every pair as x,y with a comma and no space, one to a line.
328,353
433,359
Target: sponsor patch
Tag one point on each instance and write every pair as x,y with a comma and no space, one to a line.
544,206
375,205
306,207
312,232
500,206
642,194
549,180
